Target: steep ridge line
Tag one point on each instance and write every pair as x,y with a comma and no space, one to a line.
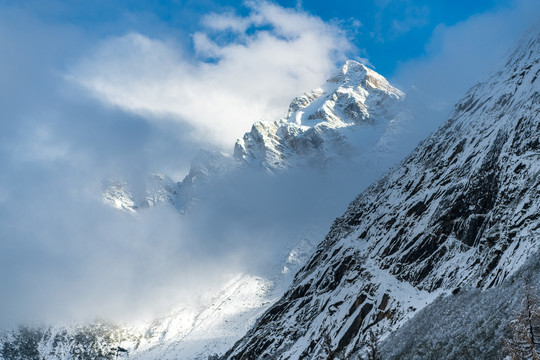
462,210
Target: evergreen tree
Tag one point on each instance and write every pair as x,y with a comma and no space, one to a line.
327,352
372,344
525,341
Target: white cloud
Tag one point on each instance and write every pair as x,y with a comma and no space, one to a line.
227,21
275,54
66,256
457,56
415,16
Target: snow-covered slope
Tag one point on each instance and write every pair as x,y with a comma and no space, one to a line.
194,330
462,210
211,327
349,119
469,324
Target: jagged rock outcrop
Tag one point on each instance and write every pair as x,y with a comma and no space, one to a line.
161,189
319,126
462,210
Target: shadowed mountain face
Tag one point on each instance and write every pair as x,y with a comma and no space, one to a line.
462,210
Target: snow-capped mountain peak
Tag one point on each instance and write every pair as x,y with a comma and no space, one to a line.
353,95
355,73
318,125
342,121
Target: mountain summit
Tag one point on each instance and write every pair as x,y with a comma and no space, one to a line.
328,124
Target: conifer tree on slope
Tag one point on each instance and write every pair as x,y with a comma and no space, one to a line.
372,345
525,342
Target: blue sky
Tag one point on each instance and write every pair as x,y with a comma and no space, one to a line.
94,89
385,31
392,36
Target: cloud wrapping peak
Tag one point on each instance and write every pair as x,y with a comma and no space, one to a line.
66,256
245,68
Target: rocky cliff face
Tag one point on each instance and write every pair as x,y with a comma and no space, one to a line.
461,210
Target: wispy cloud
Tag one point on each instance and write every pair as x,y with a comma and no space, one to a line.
397,17
459,55
246,68
66,255
414,16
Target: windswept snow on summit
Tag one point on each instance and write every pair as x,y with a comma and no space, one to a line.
354,95
343,120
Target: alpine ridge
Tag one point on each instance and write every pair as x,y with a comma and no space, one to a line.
462,211
348,120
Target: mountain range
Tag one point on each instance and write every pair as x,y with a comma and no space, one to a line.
436,250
